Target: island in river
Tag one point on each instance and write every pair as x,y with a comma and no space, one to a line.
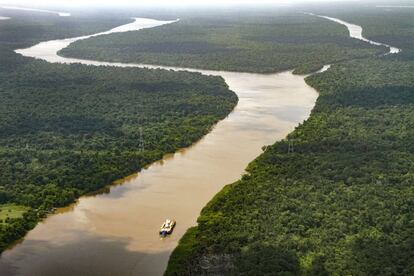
340,202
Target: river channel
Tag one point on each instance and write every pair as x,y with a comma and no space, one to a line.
116,233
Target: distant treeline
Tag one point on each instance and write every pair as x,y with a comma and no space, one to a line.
248,43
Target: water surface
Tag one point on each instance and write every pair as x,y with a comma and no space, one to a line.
35,10
116,233
355,31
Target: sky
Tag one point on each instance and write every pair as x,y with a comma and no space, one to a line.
32,3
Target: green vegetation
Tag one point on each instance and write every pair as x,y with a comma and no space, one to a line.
14,220
11,211
67,130
343,202
389,25
257,43
26,29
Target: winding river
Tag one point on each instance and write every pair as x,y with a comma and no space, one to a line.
355,31
35,10
115,233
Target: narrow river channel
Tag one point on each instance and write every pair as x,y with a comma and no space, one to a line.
116,233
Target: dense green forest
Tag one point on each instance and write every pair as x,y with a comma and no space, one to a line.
67,130
25,28
343,202
265,42
388,25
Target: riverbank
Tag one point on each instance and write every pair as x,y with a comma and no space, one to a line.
243,43
128,223
63,133
255,122
332,198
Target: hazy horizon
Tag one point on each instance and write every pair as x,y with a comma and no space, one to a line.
167,3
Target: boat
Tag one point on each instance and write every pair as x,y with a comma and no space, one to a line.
167,227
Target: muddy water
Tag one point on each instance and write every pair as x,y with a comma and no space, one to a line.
355,31
116,233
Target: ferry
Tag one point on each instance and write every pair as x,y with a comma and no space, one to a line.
167,227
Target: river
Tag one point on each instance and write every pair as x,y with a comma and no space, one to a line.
116,233
36,10
355,31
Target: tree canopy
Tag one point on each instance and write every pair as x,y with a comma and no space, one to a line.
342,203
67,130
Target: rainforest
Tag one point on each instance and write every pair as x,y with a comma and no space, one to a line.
70,130
280,143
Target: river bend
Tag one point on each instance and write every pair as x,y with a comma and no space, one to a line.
115,233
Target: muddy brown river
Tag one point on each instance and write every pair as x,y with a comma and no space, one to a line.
116,233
